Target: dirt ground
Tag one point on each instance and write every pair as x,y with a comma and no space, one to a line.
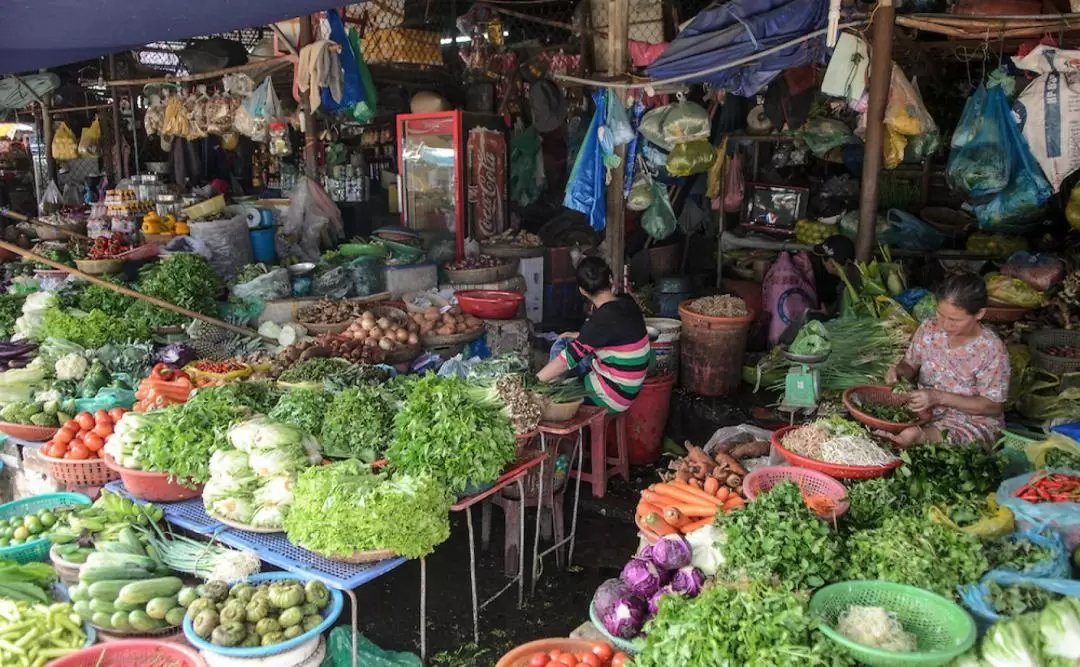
389,606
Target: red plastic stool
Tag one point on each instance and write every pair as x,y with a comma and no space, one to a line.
602,465
552,521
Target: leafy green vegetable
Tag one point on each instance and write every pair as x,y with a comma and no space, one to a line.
256,396
10,310
1060,458
104,299
777,535
944,473
93,329
344,507
1018,555
182,279
897,414
440,430
912,549
1019,598
357,425
305,408
812,340
332,373
760,627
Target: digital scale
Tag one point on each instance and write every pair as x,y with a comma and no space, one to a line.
802,384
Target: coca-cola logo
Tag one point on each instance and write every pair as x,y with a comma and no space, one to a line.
485,190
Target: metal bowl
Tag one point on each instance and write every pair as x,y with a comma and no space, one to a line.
301,268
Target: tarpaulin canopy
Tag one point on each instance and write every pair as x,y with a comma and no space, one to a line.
46,33
727,31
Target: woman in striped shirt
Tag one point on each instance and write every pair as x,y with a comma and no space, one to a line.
612,349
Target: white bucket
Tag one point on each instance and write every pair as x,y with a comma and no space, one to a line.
665,346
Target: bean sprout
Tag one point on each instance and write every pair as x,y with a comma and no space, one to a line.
854,450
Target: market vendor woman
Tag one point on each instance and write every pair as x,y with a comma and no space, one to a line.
962,370
612,347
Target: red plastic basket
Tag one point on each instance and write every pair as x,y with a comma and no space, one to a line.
880,395
490,304
831,469
28,432
132,653
88,472
153,486
810,482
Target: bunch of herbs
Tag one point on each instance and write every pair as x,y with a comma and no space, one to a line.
10,310
304,408
1015,553
182,279
357,425
1019,598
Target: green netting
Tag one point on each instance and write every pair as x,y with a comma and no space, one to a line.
942,628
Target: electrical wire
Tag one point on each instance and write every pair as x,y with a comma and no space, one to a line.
739,62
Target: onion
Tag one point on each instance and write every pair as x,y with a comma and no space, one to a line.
401,335
367,315
376,333
386,344
367,325
413,339
383,323
370,342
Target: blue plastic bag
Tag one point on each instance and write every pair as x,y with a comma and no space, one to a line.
585,187
1070,430
978,164
637,110
1055,567
976,596
908,298
910,233
351,90
1065,517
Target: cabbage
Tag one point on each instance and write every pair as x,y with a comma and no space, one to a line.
233,509
654,600
644,553
1006,645
608,594
968,660
672,552
703,543
276,492
176,354
626,618
641,577
278,462
262,434
1059,624
688,581
268,517
229,463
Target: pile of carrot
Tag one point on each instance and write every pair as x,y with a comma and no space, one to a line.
163,387
680,507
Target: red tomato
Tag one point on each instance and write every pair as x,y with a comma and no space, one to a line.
554,655
63,436
102,416
94,442
103,430
568,659
538,660
116,413
602,650
79,452
620,659
85,420
590,660
71,425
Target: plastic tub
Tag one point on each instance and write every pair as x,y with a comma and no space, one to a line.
671,292
666,347
262,244
712,349
28,432
647,418
131,652
490,304
35,550
153,486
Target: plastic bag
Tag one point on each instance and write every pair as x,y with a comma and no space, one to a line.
51,200
910,233
1064,517
1037,452
351,88
336,283
685,122
789,292
618,122
641,192
312,221
274,284
585,186
716,175
659,220
976,597
176,122
1055,567
1012,292
733,185
997,524
652,127
63,144
228,241
339,652
978,164
366,109
1045,108
1040,271
90,140
693,157
368,276
906,117
824,134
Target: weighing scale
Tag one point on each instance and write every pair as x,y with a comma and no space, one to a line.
802,384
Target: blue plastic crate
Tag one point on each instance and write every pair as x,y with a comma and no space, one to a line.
275,548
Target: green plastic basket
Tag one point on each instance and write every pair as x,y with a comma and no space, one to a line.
943,629
35,550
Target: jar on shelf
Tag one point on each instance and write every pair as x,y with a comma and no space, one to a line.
279,139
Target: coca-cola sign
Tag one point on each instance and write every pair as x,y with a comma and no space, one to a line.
487,181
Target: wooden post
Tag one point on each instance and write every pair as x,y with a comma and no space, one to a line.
307,118
873,156
118,135
46,140
618,36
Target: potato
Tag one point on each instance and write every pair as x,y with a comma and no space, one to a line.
445,330
376,333
431,314
401,335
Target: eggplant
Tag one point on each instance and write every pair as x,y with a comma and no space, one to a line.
18,363
13,350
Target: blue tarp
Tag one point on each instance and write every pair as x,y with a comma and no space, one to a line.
727,31
46,33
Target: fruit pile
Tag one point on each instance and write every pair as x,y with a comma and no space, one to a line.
600,655
29,527
84,436
108,247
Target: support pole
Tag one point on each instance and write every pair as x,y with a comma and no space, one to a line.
118,135
307,118
880,74
46,140
618,35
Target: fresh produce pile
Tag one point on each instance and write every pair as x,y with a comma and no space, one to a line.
327,346
1066,351
211,367
600,655
358,424
812,341
837,440
331,373
1017,555
477,262
32,526
251,483
508,392
679,507
1053,487
1050,637
164,386
894,414
249,615
84,436
11,306
369,511
303,408
1020,598
697,466
435,322
29,582
876,627
182,279
108,247
719,306
443,431
15,355
385,333
521,239
34,634
812,232
110,514
333,311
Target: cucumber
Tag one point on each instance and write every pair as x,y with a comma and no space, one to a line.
138,592
124,606
115,548
128,537
102,620
82,608
159,607
138,620
186,596
107,589
91,574
121,560
119,620
78,593
102,606
175,616
153,553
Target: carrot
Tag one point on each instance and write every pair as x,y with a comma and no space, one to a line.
691,527
655,498
697,454
675,518
696,510
657,524
822,505
723,493
684,494
696,483
731,463
644,508
645,530
712,485
734,502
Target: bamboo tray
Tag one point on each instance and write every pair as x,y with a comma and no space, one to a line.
358,557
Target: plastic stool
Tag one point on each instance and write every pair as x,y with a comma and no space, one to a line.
552,524
602,465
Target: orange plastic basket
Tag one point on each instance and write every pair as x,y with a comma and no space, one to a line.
810,482
132,653
878,395
156,487
834,470
79,474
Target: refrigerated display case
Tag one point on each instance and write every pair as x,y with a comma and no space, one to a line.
453,175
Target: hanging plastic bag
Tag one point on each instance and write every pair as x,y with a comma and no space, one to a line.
733,185
51,200
978,165
633,149
368,106
1046,107
72,197
716,175
788,291
659,220
585,187
824,134
63,144
685,122
618,122
906,117
90,140
350,80
1038,270
693,157
652,126
641,192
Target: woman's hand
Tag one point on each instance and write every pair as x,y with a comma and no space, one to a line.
892,376
923,400
569,335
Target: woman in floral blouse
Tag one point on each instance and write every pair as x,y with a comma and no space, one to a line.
962,370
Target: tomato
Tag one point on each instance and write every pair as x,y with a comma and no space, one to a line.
103,429
602,650
590,660
79,452
85,420
73,430
71,425
568,659
620,659
554,655
116,413
538,660
94,442
63,437
102,416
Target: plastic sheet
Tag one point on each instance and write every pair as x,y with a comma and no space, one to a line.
274,284
336,283
585,187
228,241
1038,270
